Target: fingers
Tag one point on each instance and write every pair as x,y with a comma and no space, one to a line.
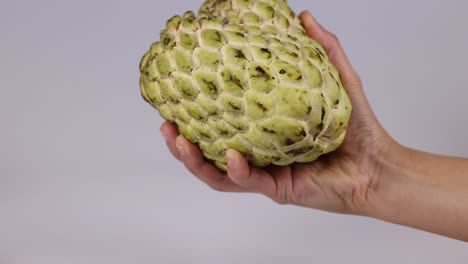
170,133
250,178
241,176
193,160
333,47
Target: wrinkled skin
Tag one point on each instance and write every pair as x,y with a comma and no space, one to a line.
343,181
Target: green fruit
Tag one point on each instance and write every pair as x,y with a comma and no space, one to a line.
243,74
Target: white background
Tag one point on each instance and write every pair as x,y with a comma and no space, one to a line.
85,176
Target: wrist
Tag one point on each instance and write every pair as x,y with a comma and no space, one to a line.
392,173
421,190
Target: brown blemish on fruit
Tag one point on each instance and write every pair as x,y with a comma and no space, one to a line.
320,126
261,106
269,131
289,142
299,151
315,135
293,54
187,93
217,36
262,73
239,34
236,81
211,86
302,99
235,107
204,135
240,54
303,133
321,55
265,50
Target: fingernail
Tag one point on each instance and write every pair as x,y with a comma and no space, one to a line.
180,147
231,161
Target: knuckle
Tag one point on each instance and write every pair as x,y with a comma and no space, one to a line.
217,187
193,165
193,169
280,200
281,197
334,37
176,154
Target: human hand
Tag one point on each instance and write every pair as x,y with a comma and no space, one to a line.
343,181
369,174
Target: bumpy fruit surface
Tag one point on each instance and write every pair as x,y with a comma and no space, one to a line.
243,74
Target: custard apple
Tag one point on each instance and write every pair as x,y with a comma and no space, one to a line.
244,75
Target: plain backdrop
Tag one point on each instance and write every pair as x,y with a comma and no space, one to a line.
85,176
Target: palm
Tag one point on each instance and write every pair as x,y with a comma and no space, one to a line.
337,182
333,180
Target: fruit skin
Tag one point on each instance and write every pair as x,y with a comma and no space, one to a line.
243,74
